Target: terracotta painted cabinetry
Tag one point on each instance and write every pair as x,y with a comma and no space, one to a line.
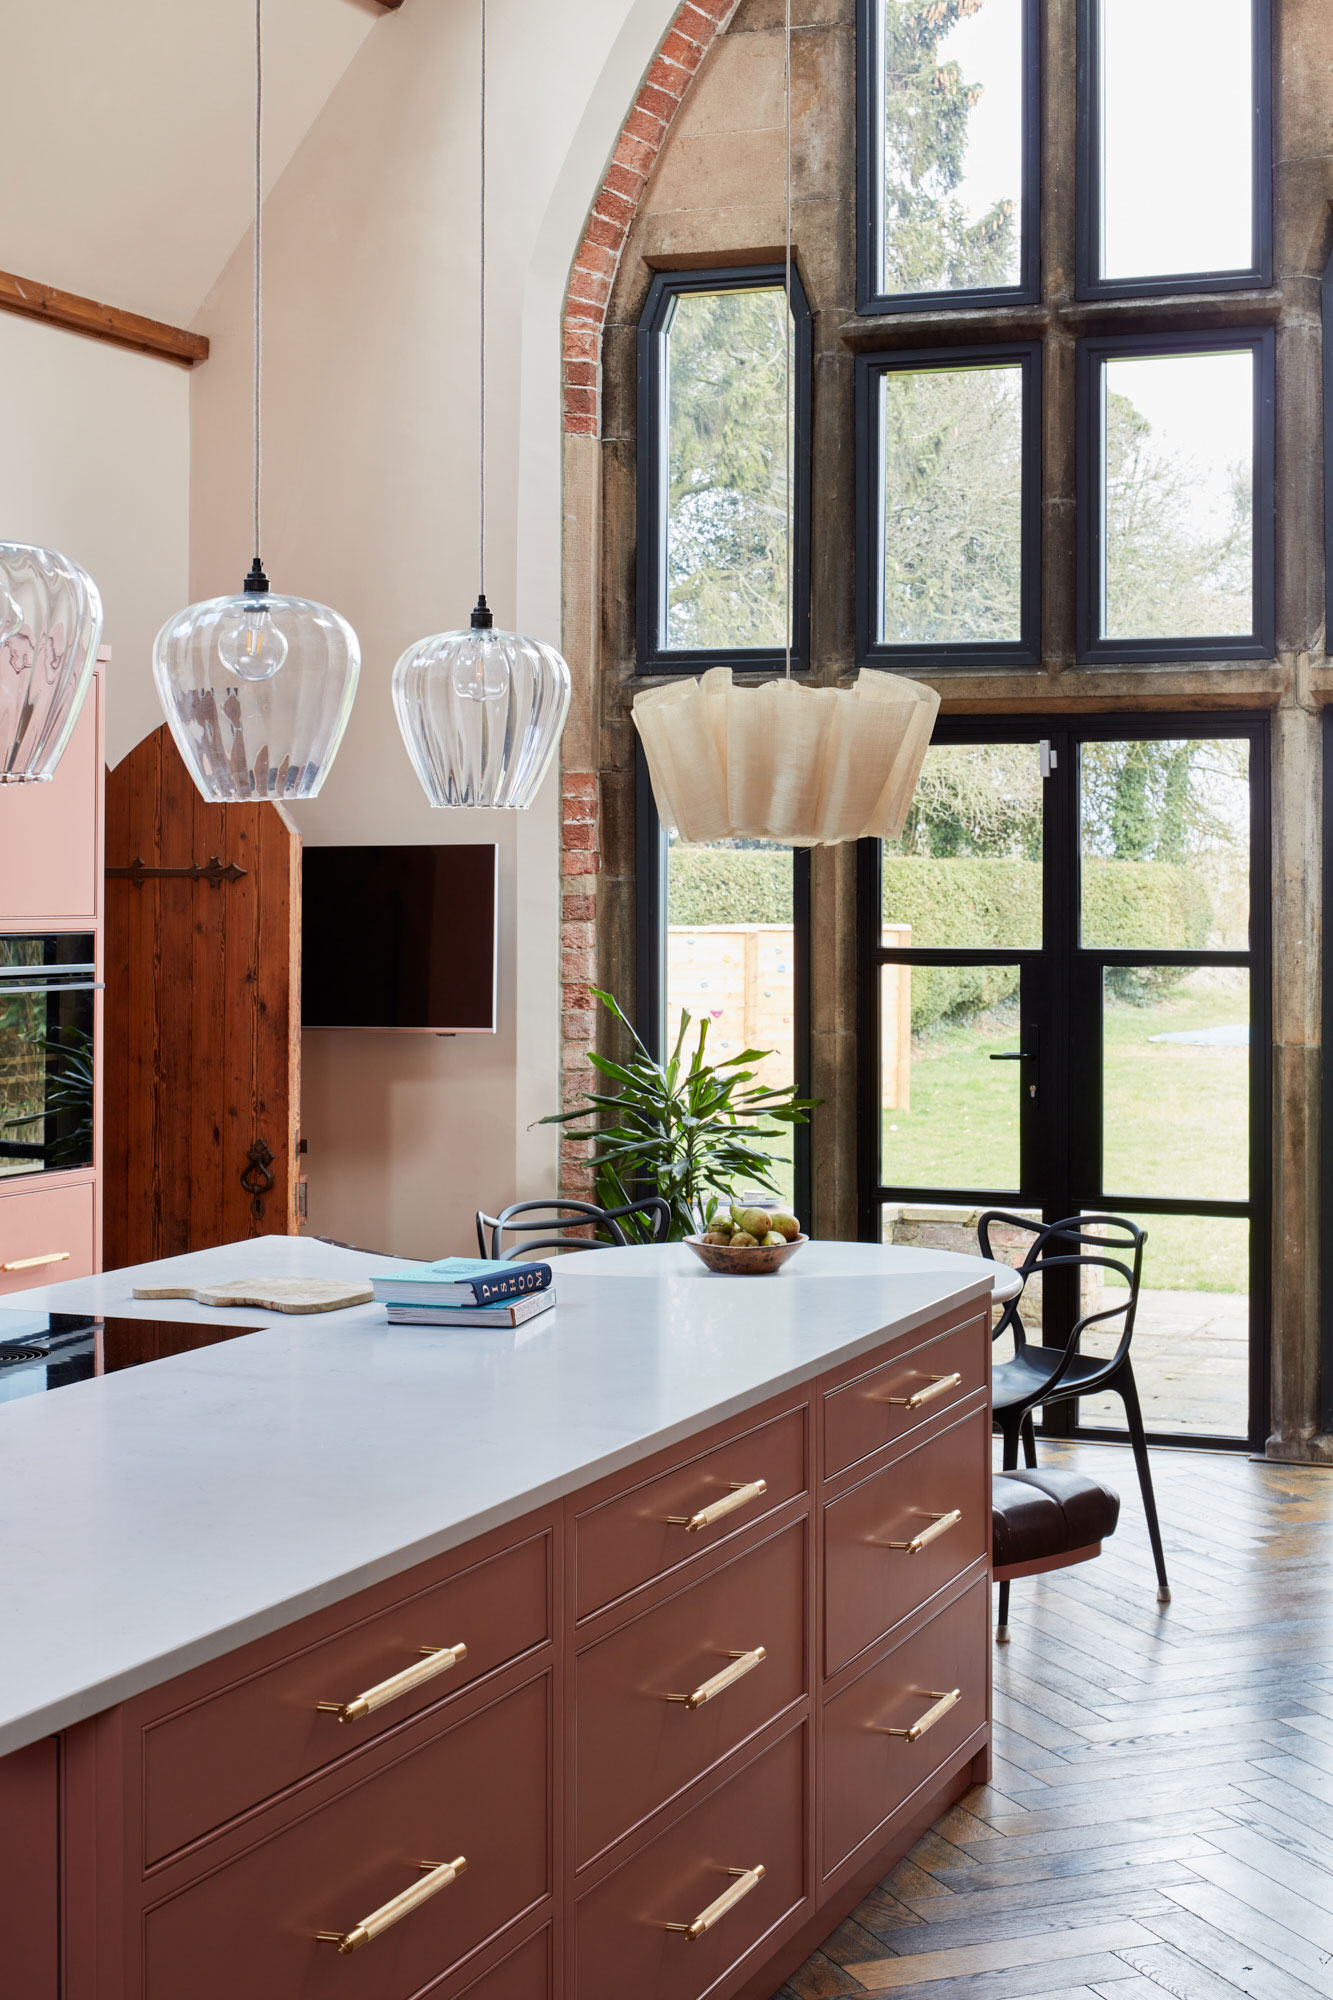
681,1720
51,874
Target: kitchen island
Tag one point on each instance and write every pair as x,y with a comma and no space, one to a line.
667,1615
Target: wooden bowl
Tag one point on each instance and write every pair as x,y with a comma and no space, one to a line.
751,1260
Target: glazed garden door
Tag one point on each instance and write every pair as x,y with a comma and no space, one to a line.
1065,1008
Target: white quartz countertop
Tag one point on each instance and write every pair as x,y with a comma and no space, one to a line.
158,1517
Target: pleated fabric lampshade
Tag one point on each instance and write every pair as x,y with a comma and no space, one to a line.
806,766
50,629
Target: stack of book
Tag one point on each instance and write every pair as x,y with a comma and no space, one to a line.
466,1291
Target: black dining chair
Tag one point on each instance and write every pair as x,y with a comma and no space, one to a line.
1038,1376
561,1218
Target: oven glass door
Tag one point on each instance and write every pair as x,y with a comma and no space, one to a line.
47,988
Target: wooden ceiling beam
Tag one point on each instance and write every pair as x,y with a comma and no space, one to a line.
126,329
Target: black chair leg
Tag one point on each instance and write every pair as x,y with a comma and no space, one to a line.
1029,1443
1127,1390
1009,1458
1002,1627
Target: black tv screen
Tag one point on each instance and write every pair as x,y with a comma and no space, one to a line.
399,937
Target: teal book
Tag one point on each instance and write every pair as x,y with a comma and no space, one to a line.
461,1281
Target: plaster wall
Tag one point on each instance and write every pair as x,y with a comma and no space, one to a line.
96,463
371,505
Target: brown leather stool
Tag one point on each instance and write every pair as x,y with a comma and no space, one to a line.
1045,1520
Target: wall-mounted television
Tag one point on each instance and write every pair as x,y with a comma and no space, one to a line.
399,938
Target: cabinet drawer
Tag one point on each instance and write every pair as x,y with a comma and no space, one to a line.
635,1749
622,1945
54,1224
869,1585
207,1763
524,1975
866,1411
868,1774
479,1790
630,1539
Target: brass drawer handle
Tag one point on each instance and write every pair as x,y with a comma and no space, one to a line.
746,1879
741,1665
940,1525
439,1877
943,1703
938,1385
437,1660
31,1263
739,1496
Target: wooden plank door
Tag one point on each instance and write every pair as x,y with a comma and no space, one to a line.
203,1013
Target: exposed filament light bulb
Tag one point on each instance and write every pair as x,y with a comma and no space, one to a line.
250,644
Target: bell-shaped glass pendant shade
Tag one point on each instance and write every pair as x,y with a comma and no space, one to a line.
50,629
481,713
257,690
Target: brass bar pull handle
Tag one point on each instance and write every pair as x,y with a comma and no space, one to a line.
943,1703
437,1878
746,1879
741,1665
31,1263
435,1660
939,1526
938,1385
741,1495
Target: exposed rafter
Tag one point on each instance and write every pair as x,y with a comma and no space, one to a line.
126,329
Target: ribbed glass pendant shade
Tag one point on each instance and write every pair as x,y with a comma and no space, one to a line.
481,713
257,690
50,629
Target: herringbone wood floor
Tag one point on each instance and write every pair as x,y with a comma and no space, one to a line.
1161,1816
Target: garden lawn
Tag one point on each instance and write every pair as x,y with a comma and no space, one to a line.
1176,1121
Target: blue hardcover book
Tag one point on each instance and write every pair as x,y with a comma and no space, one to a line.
460,1281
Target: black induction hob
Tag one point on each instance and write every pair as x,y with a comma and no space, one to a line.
46,1350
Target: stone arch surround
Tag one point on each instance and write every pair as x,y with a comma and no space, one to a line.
694,27
693,30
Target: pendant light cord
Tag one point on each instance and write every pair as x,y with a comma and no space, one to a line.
788,326
481,617
257,581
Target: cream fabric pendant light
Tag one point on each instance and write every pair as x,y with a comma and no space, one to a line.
257,688
809,766
481,711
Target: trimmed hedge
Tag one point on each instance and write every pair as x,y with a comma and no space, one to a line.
975,901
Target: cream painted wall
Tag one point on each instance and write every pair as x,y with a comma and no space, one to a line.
95,462
370,504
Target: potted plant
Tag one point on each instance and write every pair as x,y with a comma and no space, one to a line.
690,1130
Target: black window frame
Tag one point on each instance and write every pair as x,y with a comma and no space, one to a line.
1258,274
652,655
955,654
870,298
1090,352
650,959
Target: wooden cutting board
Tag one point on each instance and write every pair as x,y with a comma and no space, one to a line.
284,1295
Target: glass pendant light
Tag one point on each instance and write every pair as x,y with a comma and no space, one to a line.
257,688
481,711
50,629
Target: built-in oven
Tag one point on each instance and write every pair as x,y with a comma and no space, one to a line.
48,985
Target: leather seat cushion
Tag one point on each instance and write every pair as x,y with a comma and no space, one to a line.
1049,1513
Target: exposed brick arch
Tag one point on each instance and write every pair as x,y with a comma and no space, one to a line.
696,26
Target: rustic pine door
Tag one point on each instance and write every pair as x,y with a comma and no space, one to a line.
203,1013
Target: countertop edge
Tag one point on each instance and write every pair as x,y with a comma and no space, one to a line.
68,1710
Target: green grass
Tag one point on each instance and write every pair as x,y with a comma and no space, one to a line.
1176,1121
